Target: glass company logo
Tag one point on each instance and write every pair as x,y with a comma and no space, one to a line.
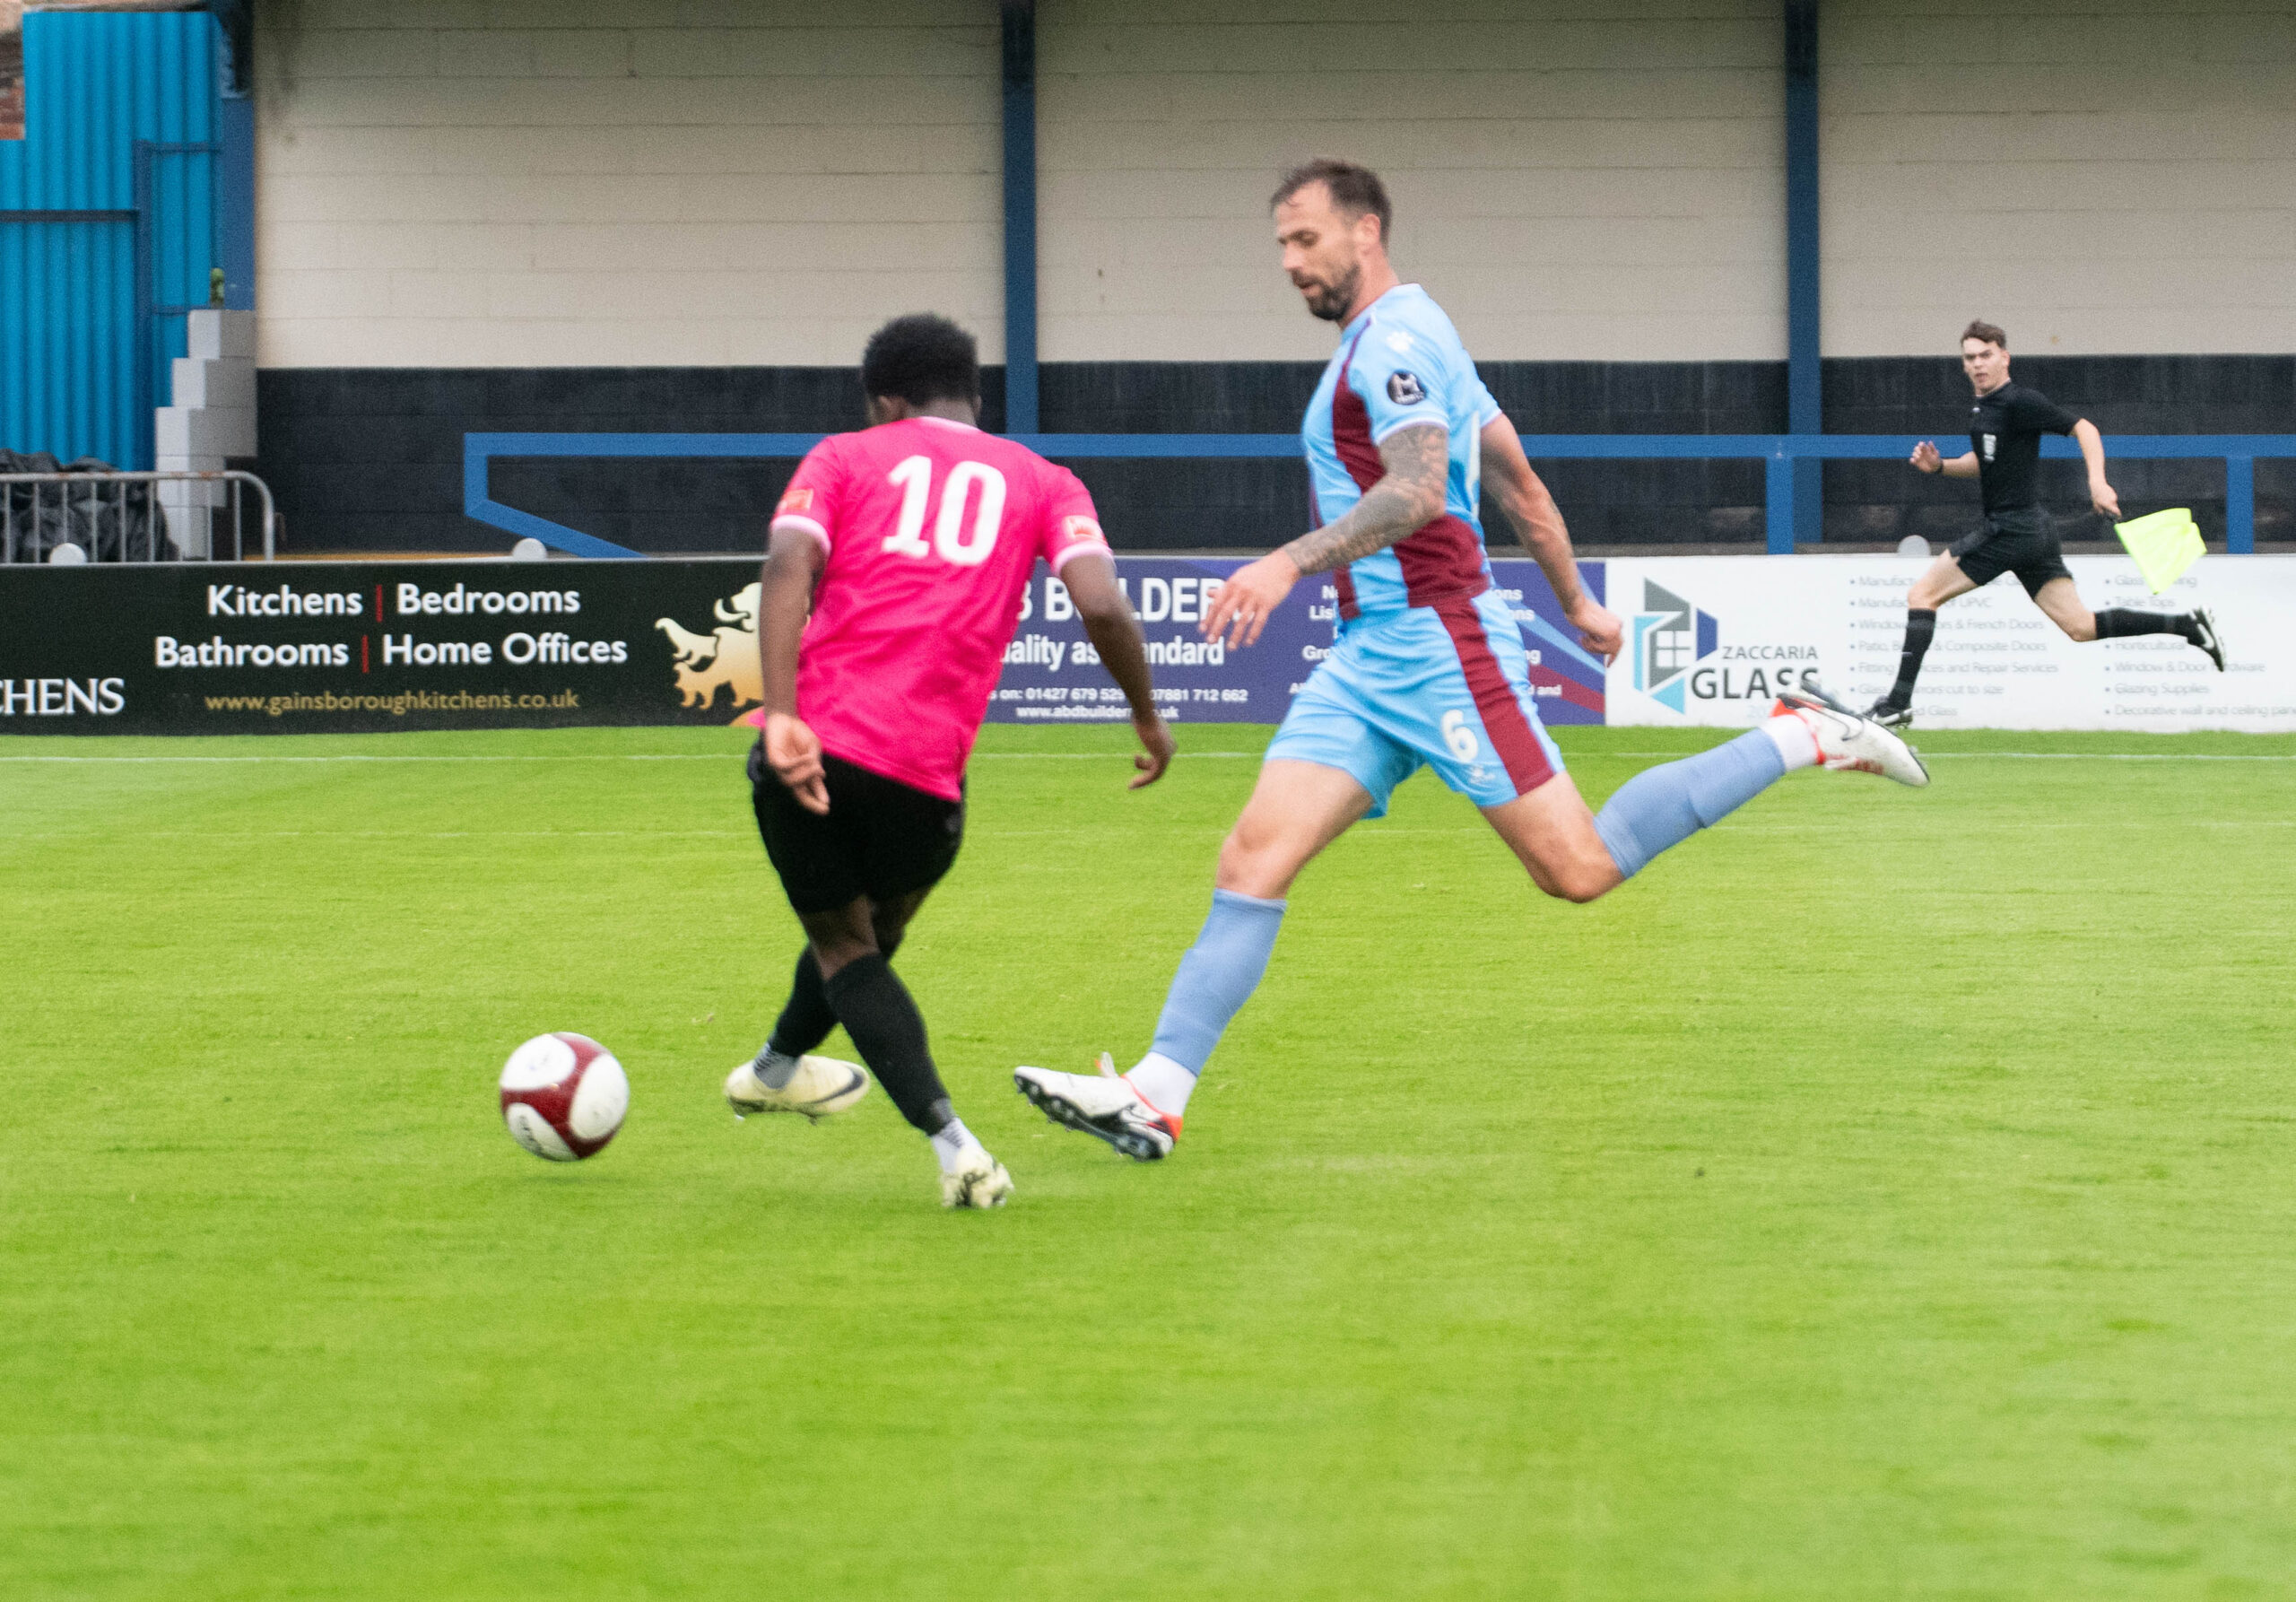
1671,637
1680,658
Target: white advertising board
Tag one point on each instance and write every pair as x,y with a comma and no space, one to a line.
1709,639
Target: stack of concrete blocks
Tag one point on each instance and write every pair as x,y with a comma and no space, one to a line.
211,420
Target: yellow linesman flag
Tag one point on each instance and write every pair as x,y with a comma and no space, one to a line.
2164,545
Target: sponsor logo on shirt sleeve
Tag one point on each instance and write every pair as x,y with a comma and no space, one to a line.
1405,388
1076,530
800,500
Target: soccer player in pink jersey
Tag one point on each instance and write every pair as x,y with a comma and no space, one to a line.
911,542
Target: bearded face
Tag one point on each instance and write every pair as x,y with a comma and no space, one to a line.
1321,254
1329,298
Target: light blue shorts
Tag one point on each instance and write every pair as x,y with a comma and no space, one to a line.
1446,686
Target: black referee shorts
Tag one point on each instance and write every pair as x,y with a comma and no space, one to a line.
2018,542
881,839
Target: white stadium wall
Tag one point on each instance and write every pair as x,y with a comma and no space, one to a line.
1572,181
719,182
686,216
489,183
2097,178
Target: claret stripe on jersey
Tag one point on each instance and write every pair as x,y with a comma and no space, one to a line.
1351,426
1511,736
1351,436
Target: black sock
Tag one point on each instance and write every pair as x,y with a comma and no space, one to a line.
806,1017
875,1008
2118,623
1920,627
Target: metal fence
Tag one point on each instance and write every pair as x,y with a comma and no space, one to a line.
136,517
1778,452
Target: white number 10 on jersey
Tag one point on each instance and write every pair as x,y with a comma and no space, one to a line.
966,547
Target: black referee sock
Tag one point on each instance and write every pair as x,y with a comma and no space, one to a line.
2118,623
1920,627
875,1008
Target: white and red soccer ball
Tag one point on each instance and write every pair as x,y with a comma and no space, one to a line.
563,1096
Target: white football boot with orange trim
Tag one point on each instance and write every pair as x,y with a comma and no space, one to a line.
1107,1107
1848,744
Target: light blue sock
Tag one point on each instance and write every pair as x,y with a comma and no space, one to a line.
1217,976
1665,805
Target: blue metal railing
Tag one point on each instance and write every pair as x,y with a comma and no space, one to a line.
1778,452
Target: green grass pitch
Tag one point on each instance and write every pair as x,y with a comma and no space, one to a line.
1887,1195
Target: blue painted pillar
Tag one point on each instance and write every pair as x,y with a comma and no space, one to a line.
235,166
1804,411
235,199
1780,473
1019,216
2240,505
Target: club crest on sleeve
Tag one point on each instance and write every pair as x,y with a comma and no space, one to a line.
1405,389
798,499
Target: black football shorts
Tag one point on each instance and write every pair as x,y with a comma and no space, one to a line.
881,839
2018,542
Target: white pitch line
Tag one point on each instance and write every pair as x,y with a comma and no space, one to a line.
729,757
1110,756
405,834
2108,756
2029,756
601,757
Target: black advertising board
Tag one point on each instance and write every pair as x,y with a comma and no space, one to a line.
319,646
323,646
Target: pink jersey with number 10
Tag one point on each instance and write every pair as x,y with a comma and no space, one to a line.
930,528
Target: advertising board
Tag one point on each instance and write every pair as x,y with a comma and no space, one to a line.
322,647
307,648
1710,640
304,648
1051,674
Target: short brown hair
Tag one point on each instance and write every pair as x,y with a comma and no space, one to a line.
1354,189
1988,332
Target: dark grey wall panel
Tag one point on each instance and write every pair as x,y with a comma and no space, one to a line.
371,459
2121,394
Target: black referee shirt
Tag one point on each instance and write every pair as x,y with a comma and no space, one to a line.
2006,430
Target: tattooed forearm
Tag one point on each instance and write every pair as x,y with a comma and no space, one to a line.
1509,483
1417,461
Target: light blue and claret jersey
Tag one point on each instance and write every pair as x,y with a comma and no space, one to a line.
1401,364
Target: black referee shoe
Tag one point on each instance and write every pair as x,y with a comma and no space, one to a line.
1889,714
2205,636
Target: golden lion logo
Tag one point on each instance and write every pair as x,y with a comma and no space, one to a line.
726,656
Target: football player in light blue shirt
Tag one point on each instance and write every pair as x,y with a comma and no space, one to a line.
1429,669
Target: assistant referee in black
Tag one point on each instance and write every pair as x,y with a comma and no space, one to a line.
2004,455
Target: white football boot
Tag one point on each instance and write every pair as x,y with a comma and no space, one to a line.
981,1183
1848,744
818,1087
1106,1106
